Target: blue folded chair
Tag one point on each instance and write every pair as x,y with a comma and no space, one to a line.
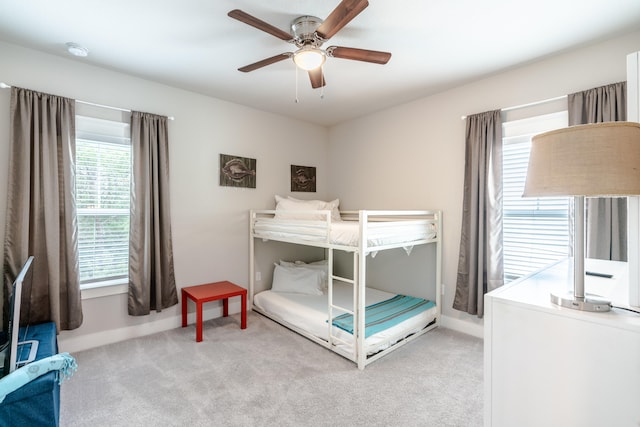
63,365
30,395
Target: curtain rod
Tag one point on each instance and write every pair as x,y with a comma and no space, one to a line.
530,104
6,86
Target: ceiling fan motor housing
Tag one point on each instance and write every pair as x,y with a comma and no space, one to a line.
304,29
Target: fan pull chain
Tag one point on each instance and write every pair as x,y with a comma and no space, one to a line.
322,82
296,101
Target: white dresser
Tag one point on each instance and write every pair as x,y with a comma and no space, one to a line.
551,366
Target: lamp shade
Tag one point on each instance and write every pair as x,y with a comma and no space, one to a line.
601,159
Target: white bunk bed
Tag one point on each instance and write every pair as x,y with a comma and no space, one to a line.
362,234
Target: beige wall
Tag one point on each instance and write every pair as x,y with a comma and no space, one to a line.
412,156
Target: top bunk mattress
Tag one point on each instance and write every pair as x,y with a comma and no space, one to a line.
346,233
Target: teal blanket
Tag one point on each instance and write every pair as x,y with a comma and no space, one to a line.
63,363
385,314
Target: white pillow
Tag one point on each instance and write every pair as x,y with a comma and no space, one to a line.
332,206
286,208
297,280
321,266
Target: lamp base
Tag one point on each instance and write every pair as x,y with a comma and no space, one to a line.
582,304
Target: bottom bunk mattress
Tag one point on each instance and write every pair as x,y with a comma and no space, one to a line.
310,314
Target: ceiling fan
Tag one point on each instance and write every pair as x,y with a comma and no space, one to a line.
308,33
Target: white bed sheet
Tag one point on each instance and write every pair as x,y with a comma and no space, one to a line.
346,232
310,313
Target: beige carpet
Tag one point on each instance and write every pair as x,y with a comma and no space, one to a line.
267,375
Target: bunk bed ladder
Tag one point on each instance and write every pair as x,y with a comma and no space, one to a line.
358,354
334,340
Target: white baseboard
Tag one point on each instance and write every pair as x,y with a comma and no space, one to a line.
74,341
462,326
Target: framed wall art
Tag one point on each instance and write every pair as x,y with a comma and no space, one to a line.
303,178
236,171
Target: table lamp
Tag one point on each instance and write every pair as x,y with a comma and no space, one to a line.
594,160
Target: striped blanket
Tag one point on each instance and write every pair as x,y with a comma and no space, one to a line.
385,314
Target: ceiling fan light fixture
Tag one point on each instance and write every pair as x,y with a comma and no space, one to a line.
309,58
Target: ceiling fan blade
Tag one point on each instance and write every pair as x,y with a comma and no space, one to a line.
341,15
264,62
317,78
359,54
259,24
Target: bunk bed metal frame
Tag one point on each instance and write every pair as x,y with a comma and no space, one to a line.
359,353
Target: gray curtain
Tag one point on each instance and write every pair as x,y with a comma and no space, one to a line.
606,227
480,263
152,284
41,211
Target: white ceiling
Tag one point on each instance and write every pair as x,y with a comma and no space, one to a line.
194,45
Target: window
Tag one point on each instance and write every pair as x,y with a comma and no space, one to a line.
535,230
103,176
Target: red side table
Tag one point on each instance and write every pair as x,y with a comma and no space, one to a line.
212,292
